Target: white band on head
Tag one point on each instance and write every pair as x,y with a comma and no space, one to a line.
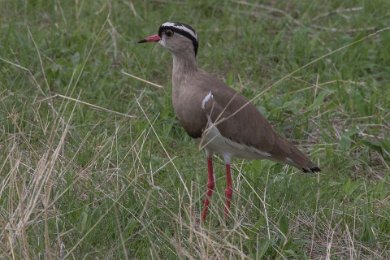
181,27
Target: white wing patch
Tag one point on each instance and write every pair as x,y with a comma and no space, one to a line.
181,27
206,99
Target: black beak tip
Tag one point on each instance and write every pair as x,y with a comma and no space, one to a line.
142,41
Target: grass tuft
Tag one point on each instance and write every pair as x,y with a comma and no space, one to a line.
94,163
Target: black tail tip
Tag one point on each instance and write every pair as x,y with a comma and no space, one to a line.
312,169
315,169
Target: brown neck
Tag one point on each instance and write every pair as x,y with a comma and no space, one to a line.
184,62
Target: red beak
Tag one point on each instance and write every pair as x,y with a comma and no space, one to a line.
151,38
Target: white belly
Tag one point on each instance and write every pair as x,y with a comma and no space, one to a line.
214,142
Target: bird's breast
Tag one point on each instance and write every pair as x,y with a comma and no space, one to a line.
188,111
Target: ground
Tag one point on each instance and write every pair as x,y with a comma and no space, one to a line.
95,165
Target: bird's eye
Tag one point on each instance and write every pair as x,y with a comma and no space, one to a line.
169,33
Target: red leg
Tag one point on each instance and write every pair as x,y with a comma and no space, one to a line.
210,187
228,190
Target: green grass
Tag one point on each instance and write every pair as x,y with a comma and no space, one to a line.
80,181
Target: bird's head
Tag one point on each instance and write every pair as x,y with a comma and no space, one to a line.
176,37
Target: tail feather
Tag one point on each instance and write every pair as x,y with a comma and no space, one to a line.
296,158
312,169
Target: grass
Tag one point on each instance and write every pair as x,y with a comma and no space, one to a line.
94,164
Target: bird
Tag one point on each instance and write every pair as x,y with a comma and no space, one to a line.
222,121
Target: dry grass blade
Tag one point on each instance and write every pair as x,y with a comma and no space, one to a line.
165,150
132,7
265,7
141,79
88,104
109,209
338,11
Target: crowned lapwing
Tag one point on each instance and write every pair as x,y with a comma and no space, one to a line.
220,119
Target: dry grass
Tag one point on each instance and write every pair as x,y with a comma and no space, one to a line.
95,166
